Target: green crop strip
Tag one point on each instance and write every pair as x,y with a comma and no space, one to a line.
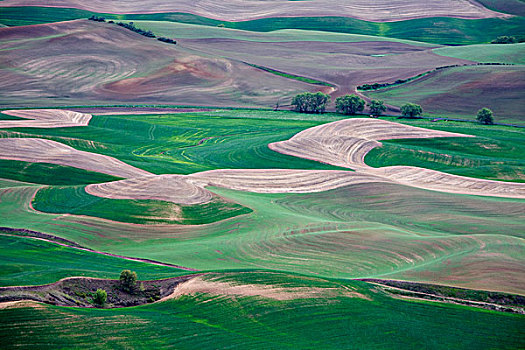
291,76
74,200
50,174
184,143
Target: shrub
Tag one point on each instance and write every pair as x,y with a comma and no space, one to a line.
485,116
504,40
411,110
128,280
349,104
100,297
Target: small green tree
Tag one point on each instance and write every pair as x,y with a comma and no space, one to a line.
411,110
309,102
485,116
349,104
128,280
100,297
377,107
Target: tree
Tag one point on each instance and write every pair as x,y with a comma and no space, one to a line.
411,110
377,107
100,297
485,116
309,102
349,104
128,280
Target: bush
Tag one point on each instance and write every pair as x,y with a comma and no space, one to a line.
349,104
167,40
100,297
411,110
132,27
504,40
309,102
485,116
97,19
377,107
128,280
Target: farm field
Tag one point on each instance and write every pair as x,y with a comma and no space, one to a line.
163,183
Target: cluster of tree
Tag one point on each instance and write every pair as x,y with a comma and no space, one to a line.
309,102
504,40
167,40
352,104
132,27
97,19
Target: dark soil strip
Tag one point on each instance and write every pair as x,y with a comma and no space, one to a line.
488,300
80,291
70,244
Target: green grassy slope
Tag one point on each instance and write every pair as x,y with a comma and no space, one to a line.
50,174
27,261
439,30
185,143
207,321
75,200
367,230
495,154
486,53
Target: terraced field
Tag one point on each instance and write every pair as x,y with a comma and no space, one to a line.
250,225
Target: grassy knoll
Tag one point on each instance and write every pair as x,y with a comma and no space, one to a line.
75,200
439,30
461,91
495,154
185,143
50,174
486,53
203,321
27,261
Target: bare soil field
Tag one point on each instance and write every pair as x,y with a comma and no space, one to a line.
171,188
47,151
350,64
84,62
239,10
45,118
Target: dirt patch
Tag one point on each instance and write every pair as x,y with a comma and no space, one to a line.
204,284
79,291
488,300
45,118
171,188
